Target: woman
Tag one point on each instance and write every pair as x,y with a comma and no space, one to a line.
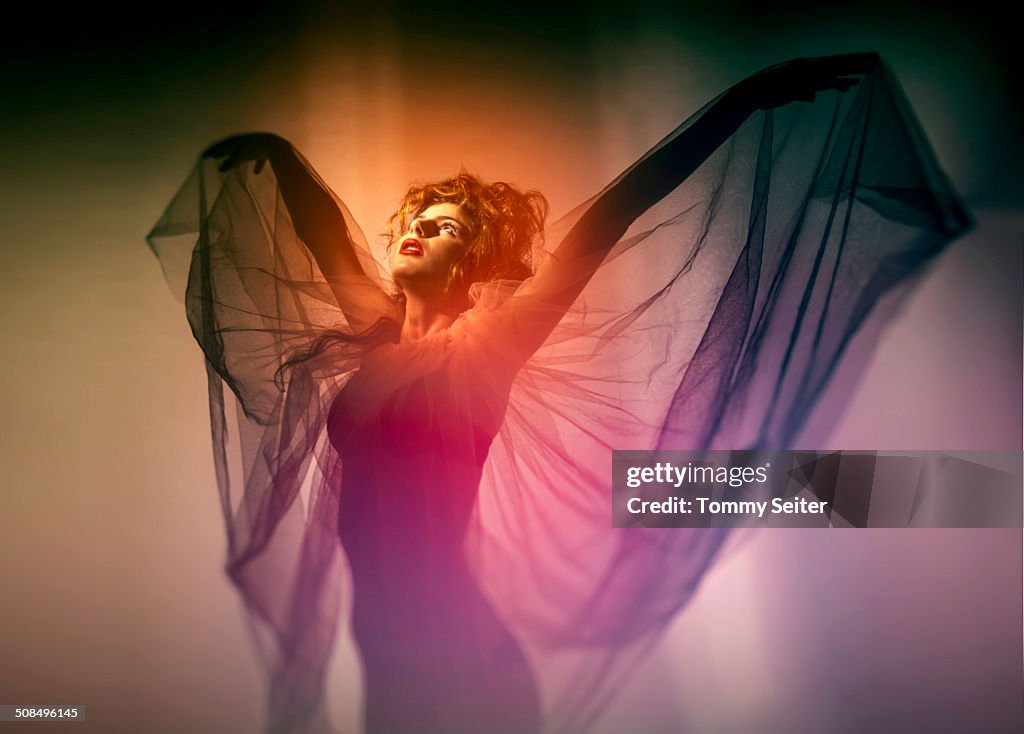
468,410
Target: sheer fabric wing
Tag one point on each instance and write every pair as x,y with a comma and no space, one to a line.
718,321
254,297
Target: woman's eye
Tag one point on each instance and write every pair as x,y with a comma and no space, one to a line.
449,228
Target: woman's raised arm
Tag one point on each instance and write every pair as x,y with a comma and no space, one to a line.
317,220
541,302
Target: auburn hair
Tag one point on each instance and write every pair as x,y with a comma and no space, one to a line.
503,221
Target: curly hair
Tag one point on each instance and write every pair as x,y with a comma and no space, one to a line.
503,221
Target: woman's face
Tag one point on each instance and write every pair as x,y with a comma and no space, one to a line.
436,239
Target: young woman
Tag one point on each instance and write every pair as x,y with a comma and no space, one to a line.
468,401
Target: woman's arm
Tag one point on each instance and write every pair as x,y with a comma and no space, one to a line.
316,218
541,302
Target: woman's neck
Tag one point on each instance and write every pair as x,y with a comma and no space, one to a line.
425,316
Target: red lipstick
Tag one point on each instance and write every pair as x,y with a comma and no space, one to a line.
411,246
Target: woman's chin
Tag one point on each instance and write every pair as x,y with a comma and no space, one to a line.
407,272
412,279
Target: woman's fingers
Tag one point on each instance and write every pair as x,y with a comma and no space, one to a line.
224,147
797,83
241,148
216,150
237,151
818,70
840,83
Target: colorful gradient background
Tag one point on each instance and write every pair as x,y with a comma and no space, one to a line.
110,555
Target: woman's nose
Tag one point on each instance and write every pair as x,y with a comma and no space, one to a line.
424,228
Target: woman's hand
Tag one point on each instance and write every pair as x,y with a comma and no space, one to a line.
802,79
250,147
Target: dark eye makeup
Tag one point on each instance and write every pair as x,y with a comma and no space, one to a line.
431,227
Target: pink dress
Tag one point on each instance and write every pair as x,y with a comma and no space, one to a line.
436,656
